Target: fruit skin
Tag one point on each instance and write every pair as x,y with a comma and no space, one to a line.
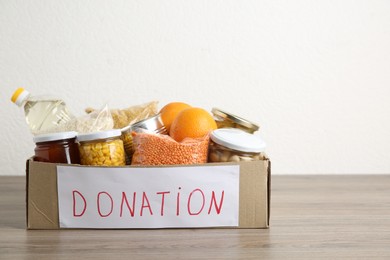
192,123
170,111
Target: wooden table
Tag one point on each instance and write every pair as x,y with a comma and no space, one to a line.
312,217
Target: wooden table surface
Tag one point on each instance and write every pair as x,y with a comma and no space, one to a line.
312,217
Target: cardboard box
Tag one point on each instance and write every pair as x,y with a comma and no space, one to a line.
253,199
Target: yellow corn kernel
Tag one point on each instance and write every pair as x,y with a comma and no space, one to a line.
103,153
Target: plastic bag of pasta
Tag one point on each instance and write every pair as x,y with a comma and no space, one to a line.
130,115
98,120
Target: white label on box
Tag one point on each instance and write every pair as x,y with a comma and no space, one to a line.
166,197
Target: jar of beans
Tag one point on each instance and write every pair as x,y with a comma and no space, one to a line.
102,148
235,145
57,148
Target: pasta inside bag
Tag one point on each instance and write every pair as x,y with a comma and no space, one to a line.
130,115
98,120
157,149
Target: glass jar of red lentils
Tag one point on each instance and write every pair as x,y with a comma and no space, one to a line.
102,148
57,148
235,145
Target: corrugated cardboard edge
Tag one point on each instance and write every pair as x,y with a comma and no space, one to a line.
42,198
42,195
27,171
269,191
254,203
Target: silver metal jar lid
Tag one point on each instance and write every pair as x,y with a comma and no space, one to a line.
235,119
153,124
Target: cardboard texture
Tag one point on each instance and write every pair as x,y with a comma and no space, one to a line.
42,196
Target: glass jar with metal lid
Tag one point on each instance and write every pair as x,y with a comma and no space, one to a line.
152,124
225,119
102,148
57,148
234,145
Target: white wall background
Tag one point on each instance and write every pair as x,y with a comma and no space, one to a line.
314,74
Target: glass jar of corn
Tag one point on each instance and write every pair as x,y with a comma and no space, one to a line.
102,148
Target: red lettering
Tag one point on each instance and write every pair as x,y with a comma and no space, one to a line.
162,200
74,204
214,201
189,202
178,203
98,204
124,199
147,205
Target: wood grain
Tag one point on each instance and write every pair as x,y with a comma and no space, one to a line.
312,217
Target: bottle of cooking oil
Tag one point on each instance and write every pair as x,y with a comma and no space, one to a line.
41,113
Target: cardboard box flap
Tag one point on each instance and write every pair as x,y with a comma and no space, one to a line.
42,196
253,194
269,191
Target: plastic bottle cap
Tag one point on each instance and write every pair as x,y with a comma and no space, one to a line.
237,139
99,135
54,136
19,96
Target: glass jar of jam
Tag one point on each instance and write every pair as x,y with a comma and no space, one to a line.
57,148
227,120
103,148
235,145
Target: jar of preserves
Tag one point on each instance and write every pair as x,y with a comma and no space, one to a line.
235,145
227,120
152,124
102,148
57,148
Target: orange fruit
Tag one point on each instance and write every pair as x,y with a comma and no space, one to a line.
193,123
170,111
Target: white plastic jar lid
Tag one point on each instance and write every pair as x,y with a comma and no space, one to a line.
54,136
238,139
99,135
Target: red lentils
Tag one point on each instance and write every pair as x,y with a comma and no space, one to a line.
156,149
